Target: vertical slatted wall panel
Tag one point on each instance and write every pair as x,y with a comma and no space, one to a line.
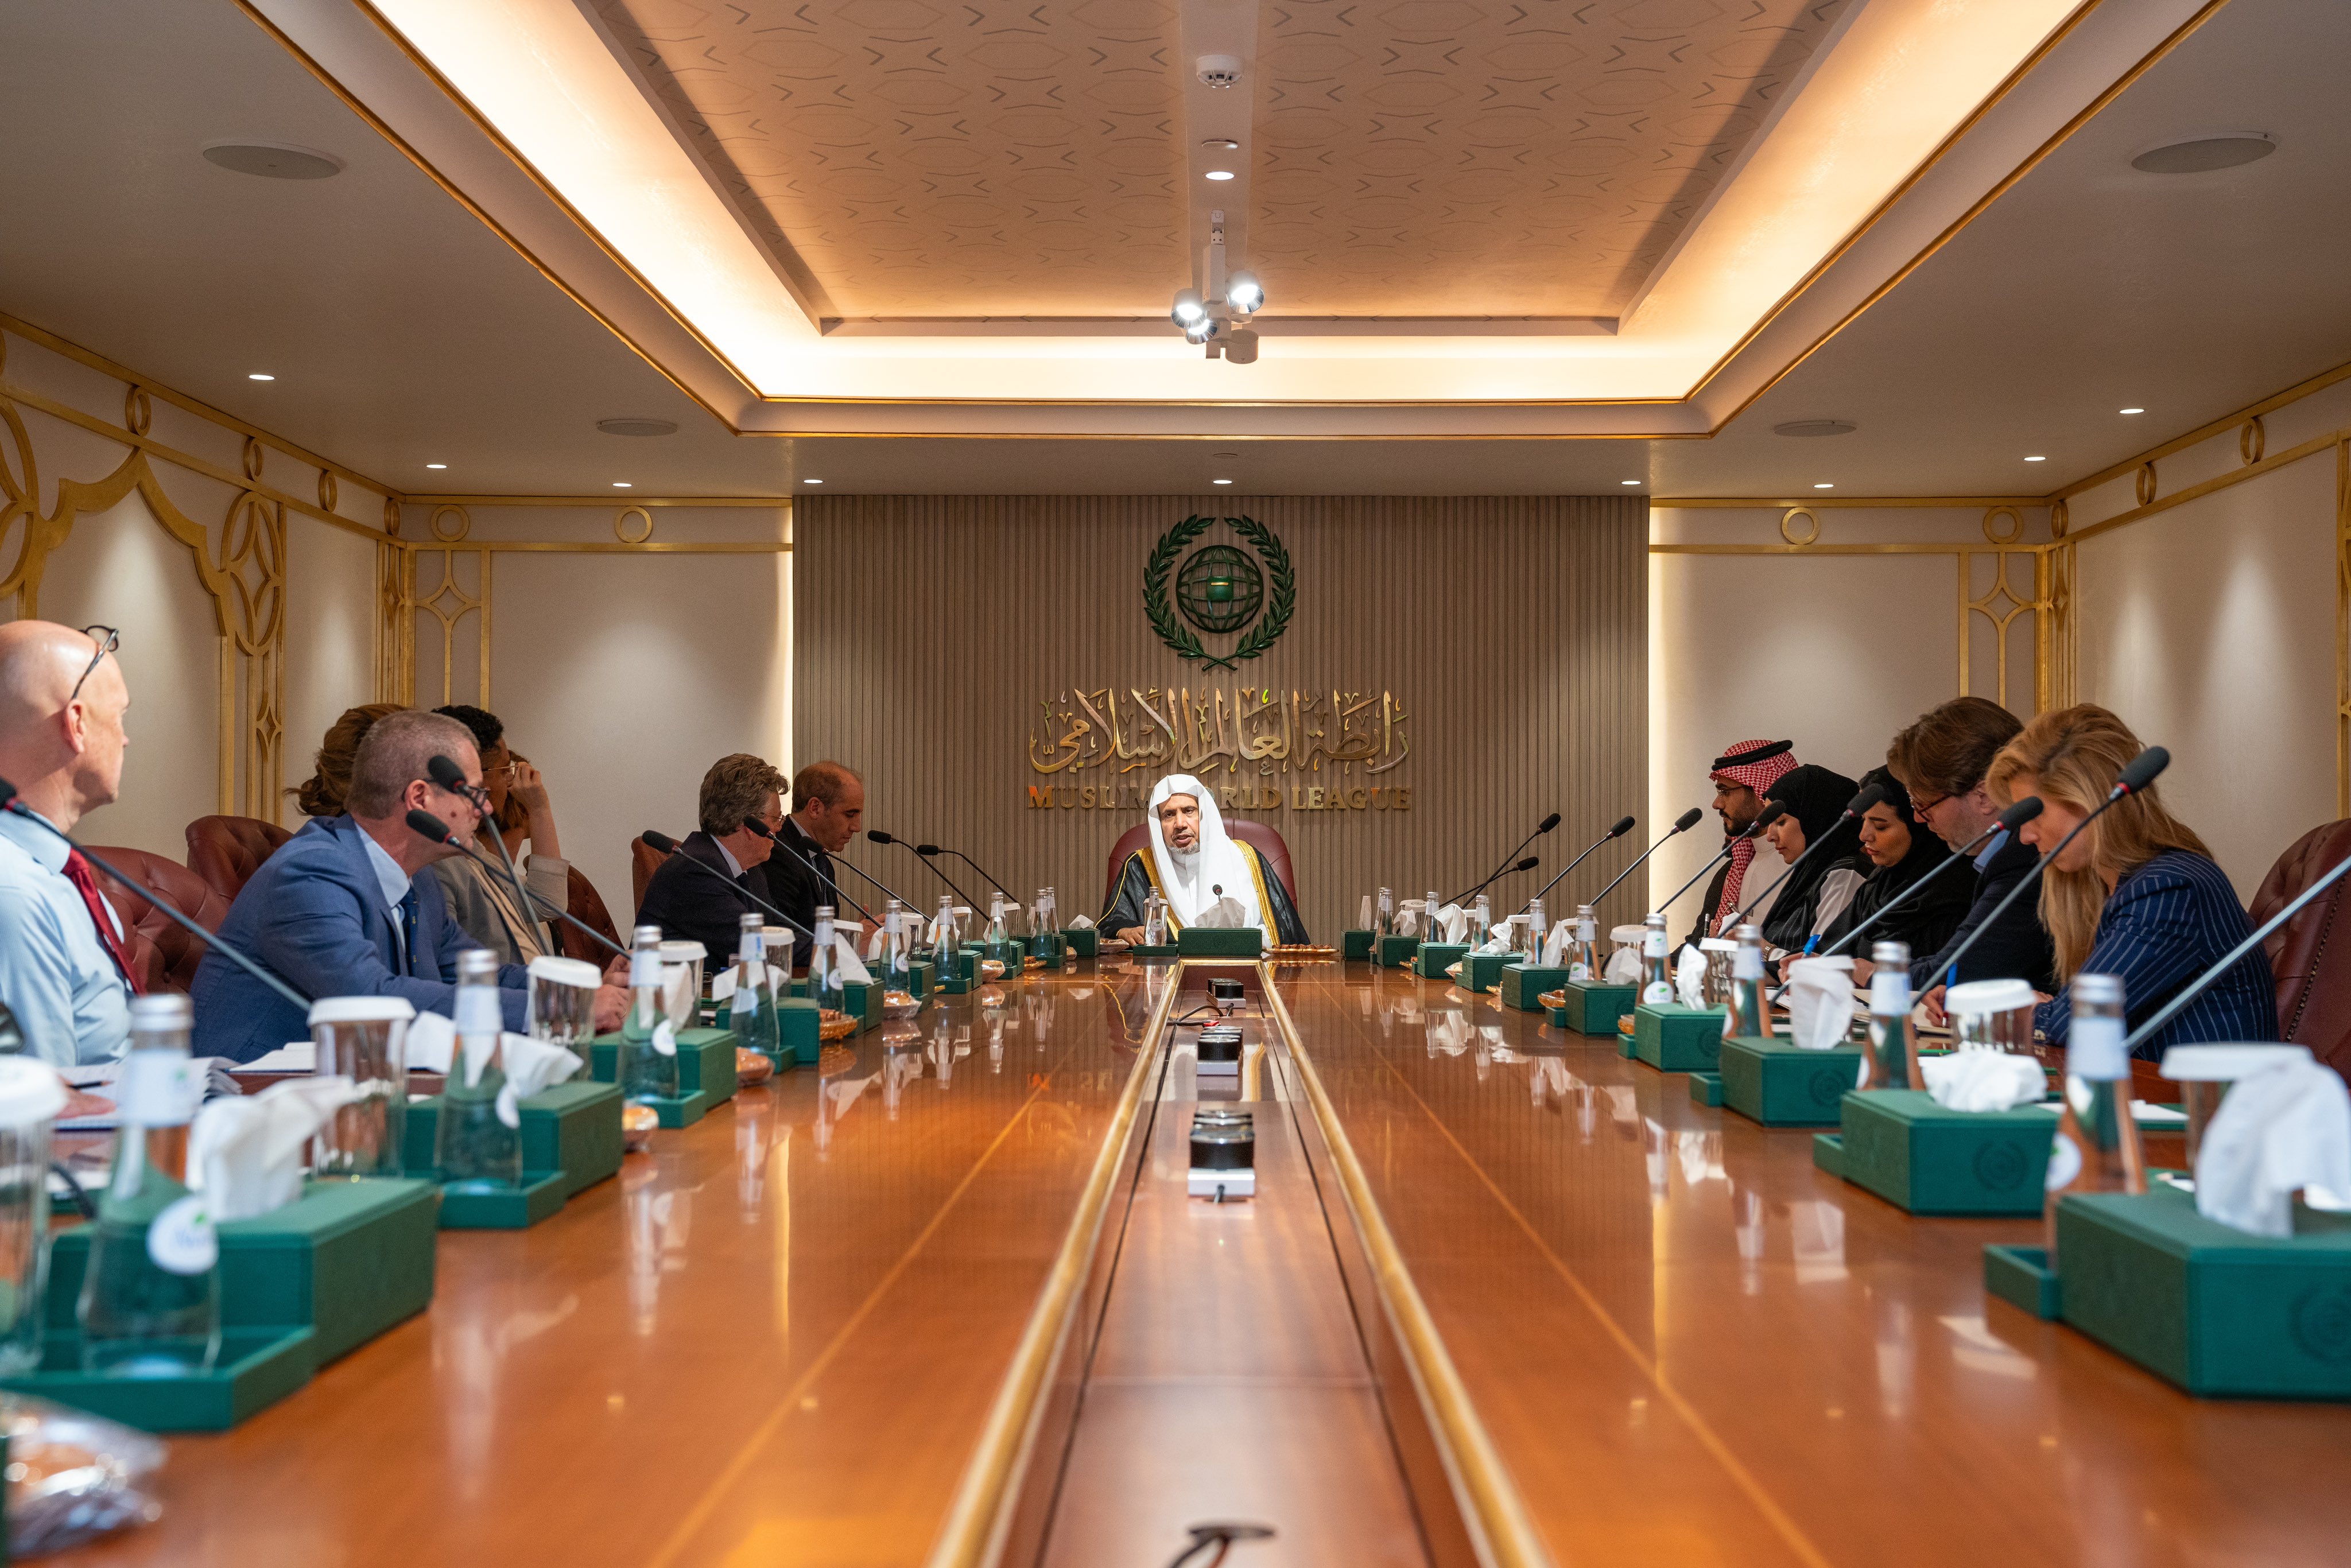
928,629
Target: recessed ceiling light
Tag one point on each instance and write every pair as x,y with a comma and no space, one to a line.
630,426
1221,174
1220,481
2202,154
2134,411
2036,460
436,465
1815,427
1825,487
622,484
258,376
272,159
1221,144
812,481
1628,481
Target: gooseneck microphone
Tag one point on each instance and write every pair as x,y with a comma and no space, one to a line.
452,778
1545,825
927,850
426,825
8,802
2015,817
879,837
1854,808
669,846
2137,775
2228,960
1682,824
760,828
1773,812
1623,826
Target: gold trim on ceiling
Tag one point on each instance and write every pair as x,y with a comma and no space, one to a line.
1757,503
598,501
2205,432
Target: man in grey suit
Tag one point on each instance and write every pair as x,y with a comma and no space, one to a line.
339,911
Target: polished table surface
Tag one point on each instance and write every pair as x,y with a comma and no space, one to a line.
1690,1346
773,1339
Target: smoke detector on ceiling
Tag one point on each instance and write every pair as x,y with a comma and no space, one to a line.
637,426
2202,154
272,159
1220,70
1815,427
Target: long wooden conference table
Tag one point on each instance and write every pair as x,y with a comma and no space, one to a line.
1503,1295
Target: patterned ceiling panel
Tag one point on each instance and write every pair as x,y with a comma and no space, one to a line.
1500,157
939,157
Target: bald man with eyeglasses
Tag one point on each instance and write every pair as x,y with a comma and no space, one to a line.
64,959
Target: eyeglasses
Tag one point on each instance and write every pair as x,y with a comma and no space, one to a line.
1921,805
106,644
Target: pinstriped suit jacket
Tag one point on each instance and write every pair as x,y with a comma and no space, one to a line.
2165,923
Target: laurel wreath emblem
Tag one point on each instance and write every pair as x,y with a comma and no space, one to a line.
1282,592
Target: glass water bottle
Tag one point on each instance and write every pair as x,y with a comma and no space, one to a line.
1749,1016
751,1013
1892,1043
149,1302
1041,927
897,944
2096,1147
1538,931
1657,976
1154,920
472,1146
947,945
997,935
1481,920
1583,963
825,981
1384,914
648,1052
1429,907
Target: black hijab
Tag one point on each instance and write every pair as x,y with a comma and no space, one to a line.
1816,797
1925,922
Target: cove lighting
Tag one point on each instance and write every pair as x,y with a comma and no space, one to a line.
2036,460
2134,411
1221,174
258,376
436,465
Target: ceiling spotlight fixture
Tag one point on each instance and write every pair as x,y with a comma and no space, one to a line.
622,484
2036,460
2202,154
1201,330
1227,299
2134,411
1221,174
258,376
1825,487
1219,71
1187,308
632,427
1815,427
1220,481
1244,293
812,481
1221,144
436,465
272,159
1628,481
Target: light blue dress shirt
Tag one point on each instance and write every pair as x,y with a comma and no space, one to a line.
396,884
55,975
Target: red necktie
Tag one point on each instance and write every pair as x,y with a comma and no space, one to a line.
78,873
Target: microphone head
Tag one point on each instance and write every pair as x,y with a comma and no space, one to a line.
8,790
447,774
1622,827
1549,823
424,824
879,837
658,841
2142,770
928,850
754,825
1687,820
1873,795
1528,864
1773,812
2023,811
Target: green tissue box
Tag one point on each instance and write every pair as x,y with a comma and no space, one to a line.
347,1259
1354,945
1909,1151
2212,1309
1705,1087
571,1140
961,978
1436,957
1522,984
1004,953
1395,952
1213,941
1828,1153
2022,1277
1675,1039
921,977
1082,942
706,1073
1164,950
1775,1083
256,1368
1593,1008
798,1018
1481,972
862,1001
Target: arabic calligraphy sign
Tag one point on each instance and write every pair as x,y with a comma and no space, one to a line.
1328,749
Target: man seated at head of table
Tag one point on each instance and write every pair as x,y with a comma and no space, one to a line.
828,808
65,968
341,909
697,905
1192,863
2137,895
1942,759
1739,777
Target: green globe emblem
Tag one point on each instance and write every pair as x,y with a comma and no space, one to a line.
1220,589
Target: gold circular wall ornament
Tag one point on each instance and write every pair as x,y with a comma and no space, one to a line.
621,525
327,491
391,516
138,412
2013,535
2143,482
2253,439
450,536
1810,516
2060,520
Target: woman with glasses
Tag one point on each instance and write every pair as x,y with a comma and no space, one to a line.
482,900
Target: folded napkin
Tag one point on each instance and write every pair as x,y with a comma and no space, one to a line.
1820,1003
1689,976
1079,923
1225,914
1499,935
1557,944
723,984
1363,918
1624,965
532,1065
244,1152
1984,1080
2285,1128
432,1041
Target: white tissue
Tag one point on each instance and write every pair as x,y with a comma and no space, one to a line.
852,971
1225,914
963,920
2285,1128
432,1042
1556,945
1689,976
1499,935
1452,923
1407,917
245,1151
677,995
530,1066
1082,923
1820,1002
873,950
1623,968
1984,1080
723,984
1363,918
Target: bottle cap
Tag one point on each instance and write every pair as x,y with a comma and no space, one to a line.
166,1010
648,937
477,964
2102,991
1896,954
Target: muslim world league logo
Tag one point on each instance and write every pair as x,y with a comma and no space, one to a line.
1219,589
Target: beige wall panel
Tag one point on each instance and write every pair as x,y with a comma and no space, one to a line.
2211,629
331,608
624,677
929,630
119,568
1834,653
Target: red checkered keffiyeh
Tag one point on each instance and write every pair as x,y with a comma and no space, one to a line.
1756,763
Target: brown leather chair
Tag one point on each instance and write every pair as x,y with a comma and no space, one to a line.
643,860
227,850
1260,836
163,955
585,903
2310,961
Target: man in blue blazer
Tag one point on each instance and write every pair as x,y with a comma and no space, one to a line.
339,911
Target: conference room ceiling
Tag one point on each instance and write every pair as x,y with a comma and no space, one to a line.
405,332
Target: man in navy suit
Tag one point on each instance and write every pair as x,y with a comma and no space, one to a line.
339,910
